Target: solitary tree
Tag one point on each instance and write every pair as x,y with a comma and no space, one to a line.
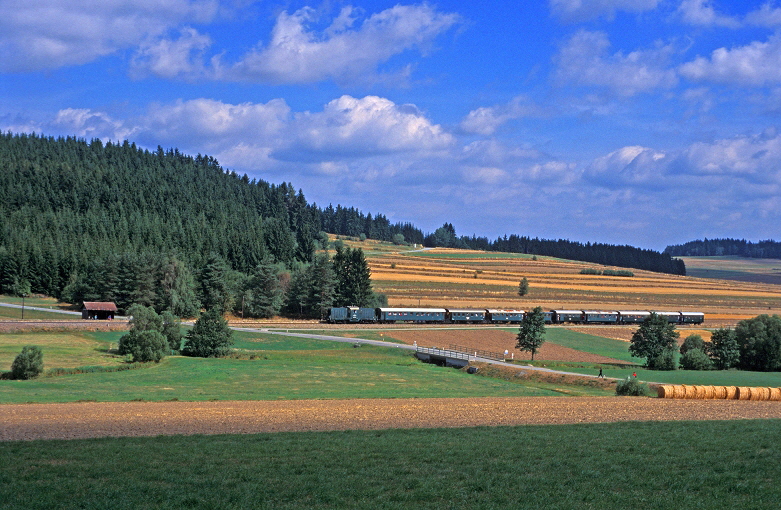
210,337
531,335
759,340
28,364
523,287
655,340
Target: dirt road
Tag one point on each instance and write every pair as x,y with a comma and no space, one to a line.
118,419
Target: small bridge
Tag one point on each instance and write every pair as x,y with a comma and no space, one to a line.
442,356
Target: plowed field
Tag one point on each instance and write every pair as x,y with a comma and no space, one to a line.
121,419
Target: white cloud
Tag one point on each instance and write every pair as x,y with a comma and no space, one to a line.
582,10
173,58
584,60
756,64
701,12
765,16
369,125
47,34
486,120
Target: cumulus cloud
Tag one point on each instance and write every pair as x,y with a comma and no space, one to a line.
701,12
486,120
756,64
348,50
582,10
749,160
766,16
40,35
584,60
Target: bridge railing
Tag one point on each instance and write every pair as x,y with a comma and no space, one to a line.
498,356
444,352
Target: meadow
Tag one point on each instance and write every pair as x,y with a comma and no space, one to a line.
660,465
266,367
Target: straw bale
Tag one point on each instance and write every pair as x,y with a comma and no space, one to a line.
665,391
775,394
760,393
690,392
720,392
679,391
699,392
732,392
709,392
744,393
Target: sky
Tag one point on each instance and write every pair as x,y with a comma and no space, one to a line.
640,122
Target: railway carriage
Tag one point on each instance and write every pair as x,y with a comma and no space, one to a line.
632,316
600,317
564,316
465,315
504,316
672,317
422,315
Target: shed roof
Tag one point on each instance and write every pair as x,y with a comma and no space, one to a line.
100,306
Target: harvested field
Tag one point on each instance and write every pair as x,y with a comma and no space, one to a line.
495,341
109,419
441,277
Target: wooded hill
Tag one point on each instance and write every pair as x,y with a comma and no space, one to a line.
92,221
721,247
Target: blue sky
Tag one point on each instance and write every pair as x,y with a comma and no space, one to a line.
642,122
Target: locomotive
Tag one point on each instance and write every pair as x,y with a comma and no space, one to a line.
355,314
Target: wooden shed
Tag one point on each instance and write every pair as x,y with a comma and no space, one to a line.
97,310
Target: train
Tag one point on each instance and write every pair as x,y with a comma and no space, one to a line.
356,314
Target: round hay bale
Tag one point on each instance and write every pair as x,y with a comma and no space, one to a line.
709,392
679,391
699,392
775,394
744,393
719,392
732,392
689,390
665,391
760,393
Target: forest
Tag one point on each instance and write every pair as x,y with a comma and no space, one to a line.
722,247
86,220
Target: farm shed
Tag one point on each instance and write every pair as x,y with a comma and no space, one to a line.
98,310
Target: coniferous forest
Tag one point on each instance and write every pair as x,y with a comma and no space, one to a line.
87,221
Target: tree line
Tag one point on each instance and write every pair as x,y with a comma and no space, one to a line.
720,247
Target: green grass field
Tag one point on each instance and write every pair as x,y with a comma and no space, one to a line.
660,465
273,368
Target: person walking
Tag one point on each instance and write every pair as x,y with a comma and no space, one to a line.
600,373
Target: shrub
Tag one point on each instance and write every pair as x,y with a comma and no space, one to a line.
210,337
28,364
145,346
631,387
693,342
696,359
663,361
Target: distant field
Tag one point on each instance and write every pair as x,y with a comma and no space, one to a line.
445,277
735,268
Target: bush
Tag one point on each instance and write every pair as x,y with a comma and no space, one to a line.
210,337
696,359
663,361
144,346
28,364
631,387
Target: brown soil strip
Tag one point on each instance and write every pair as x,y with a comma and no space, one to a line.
121,419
